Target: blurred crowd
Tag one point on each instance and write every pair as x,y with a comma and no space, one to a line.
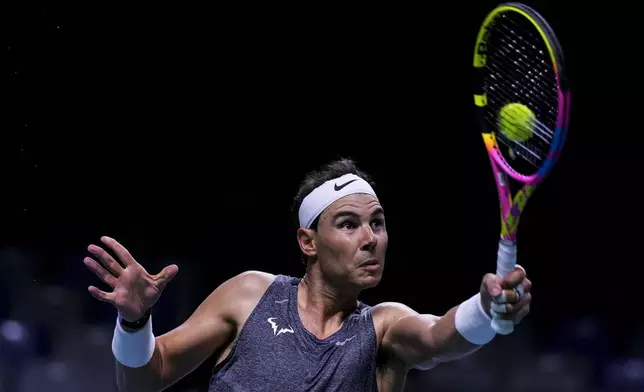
54,337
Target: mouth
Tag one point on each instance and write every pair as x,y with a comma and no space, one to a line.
370,264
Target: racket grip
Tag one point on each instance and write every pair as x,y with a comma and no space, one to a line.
505,263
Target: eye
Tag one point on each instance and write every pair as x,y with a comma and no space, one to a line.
348,225
378,222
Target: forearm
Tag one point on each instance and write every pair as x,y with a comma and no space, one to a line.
138,357
423,341
142,379
461,331
448,344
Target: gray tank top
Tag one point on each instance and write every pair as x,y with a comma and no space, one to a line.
274,352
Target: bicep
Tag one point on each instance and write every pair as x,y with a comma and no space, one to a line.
411,340
184,348
408,335
425,340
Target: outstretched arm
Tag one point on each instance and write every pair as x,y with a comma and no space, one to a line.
422,341
212,325
148,363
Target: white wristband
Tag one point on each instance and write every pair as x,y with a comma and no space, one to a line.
473,323
133,349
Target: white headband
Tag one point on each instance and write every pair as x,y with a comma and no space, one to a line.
322,197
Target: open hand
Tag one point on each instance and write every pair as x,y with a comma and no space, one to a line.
135,290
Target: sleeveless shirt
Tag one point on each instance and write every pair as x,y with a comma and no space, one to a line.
275,352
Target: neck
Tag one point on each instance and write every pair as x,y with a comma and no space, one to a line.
323,307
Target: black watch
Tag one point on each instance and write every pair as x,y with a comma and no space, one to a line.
138,324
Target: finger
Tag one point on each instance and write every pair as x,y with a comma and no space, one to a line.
509,308
491,285
509,295
166,275
101,295
514,278
100,271
122,253
527,285
106,260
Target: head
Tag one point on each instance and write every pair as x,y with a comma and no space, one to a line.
341,228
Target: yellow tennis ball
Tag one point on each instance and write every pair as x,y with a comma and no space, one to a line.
516,122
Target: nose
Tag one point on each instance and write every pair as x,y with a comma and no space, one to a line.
370,239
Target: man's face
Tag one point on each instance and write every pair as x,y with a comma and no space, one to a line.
351,240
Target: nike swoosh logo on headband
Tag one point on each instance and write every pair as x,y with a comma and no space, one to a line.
338,187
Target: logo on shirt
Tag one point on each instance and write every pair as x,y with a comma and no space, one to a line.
342,343
281,330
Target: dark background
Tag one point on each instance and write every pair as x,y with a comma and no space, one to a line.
183,132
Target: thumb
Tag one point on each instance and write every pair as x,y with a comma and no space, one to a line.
166,275
491,285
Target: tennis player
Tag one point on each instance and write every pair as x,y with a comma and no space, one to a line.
280,333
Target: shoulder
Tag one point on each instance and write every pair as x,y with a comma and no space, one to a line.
238,296
387,312
394,320
253,279
248,284
393,311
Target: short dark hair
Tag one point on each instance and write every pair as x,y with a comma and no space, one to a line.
318,177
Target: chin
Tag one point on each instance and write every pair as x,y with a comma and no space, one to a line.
369,281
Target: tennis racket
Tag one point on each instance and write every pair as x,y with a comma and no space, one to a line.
523,102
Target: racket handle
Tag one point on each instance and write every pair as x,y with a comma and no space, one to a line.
505,263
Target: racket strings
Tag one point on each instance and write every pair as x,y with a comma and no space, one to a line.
533,93
514,67
535,150
528,68
526,95
520,71
538,63
540,130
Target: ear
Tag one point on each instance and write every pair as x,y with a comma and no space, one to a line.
306,240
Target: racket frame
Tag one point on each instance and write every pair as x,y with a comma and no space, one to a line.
511,208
